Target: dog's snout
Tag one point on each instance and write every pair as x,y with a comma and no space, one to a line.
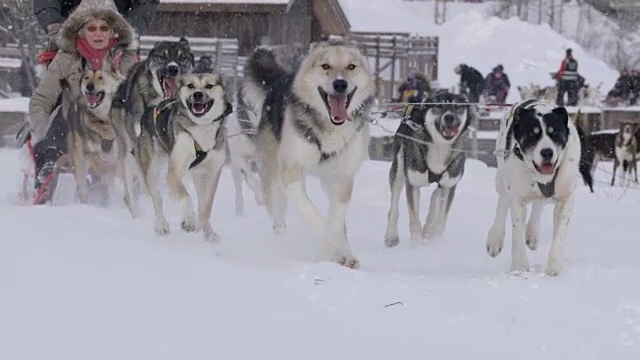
546,154
198,96
90,87
448,119
340,86
173,70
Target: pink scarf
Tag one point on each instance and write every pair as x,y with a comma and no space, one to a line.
94,56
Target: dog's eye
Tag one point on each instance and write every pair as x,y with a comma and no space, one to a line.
536,130
162,57
326,67
209,87
190,86
351,67
100,78
550,130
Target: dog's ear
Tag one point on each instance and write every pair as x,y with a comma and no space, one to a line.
562,112
183,41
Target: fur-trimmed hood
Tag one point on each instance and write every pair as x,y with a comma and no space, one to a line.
101,9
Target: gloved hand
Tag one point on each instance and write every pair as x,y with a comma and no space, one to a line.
52,33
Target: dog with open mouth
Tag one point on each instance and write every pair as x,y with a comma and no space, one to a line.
148,83
428,148
538,152
186,135
313,120
91,138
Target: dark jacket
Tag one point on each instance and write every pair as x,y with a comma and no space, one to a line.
471,78
138,13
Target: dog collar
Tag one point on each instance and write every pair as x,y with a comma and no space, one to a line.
548,189
201,154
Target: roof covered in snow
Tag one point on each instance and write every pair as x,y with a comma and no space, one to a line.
248,2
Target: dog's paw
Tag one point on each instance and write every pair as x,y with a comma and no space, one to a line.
553,269
349,261
279,229
210,235
188,223
429,233
162,228
495,242
391,240
415,232
519,266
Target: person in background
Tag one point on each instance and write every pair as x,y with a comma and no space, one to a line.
497,84
414,88
471,82
635,87
567,80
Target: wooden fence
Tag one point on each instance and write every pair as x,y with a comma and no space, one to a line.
394,55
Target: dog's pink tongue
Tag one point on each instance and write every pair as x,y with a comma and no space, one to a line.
338,107
170,87
546,169
451,130
92,99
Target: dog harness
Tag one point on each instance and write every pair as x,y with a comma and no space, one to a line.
161,118
455,165
314,139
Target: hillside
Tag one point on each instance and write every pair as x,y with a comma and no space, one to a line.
528,52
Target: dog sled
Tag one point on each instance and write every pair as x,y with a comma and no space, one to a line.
58,188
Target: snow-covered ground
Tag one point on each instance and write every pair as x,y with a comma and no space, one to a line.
81,282
528,52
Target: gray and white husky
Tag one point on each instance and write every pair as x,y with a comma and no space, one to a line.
148,83
189,133
439,125
312,121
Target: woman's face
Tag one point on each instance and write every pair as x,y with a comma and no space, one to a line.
97,33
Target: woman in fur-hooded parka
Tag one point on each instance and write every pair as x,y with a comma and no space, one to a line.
71,60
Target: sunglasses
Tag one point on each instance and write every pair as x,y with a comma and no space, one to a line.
94,28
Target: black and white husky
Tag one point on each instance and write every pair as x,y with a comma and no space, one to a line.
439,125
538,158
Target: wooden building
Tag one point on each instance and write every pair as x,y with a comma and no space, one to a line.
252,22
